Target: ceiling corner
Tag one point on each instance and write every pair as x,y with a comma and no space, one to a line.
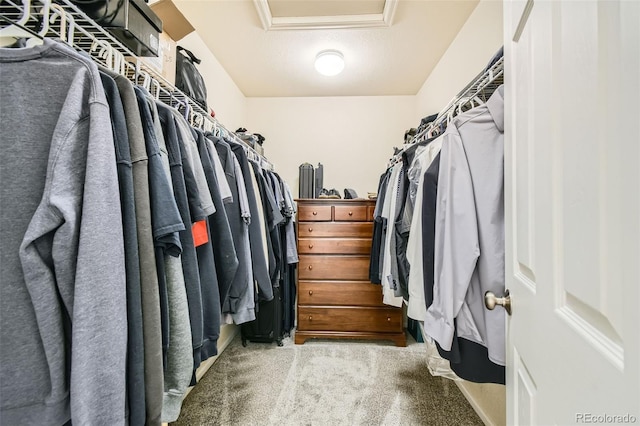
262,7
389,12
369,20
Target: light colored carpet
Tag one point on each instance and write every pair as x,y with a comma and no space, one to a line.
322,383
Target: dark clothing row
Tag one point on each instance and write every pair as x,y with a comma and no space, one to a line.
209,211
129,237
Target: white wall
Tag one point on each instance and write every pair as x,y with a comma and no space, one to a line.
223,95
478,40
352,136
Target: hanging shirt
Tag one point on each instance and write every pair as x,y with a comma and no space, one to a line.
63,293
240,231
469,240
416,307
151,317
258,255
135,342
223,185
224,249
292,249
193,158
388,210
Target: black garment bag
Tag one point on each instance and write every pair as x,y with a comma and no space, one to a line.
188,78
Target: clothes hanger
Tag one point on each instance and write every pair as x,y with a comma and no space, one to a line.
156,93
19,30
104,52
66,32
187,107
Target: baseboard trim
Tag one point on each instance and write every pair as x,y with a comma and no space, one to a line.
474,404
222,345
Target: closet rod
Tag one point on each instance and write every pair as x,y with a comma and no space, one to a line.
62,19
484,83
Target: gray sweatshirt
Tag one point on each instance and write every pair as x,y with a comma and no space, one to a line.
63,338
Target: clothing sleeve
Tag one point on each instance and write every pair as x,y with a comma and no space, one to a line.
223,185
85,252
179,357
198,172
242,192
456,240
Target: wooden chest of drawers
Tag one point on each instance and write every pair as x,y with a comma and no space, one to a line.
335,297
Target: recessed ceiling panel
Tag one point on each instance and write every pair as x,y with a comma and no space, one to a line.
386,60
306,8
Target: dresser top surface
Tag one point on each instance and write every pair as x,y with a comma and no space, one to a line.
333,201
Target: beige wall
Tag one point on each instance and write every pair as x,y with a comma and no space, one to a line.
352,136
478,40
223,95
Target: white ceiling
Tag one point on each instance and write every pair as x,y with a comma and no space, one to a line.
392,58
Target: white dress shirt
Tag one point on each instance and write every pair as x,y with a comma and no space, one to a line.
469,237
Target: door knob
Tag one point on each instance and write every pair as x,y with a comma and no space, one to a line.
490,301
310,246
310,229
350,213
315,213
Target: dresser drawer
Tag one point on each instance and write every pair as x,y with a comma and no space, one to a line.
311,213
338,318
350,213
312,229
339,293
334,246
334,267
370,213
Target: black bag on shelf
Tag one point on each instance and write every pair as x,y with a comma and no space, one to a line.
306,183
188,78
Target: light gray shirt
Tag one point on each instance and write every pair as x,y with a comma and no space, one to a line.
469,237
193,157
223,185
416,306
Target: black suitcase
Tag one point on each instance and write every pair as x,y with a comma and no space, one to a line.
267,327
306,184
318,180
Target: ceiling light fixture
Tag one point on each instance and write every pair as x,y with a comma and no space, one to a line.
329,62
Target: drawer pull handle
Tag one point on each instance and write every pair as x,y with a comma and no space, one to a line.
310,267
310,246
310,292
310,318
388,319
310,229
350,213
315,213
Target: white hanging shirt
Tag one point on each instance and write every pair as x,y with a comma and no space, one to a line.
469,237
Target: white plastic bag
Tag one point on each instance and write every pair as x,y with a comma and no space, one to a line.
437,365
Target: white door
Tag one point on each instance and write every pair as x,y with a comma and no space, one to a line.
572,194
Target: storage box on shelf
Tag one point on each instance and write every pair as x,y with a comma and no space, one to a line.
335,297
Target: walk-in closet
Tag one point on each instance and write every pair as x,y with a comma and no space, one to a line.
301,212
